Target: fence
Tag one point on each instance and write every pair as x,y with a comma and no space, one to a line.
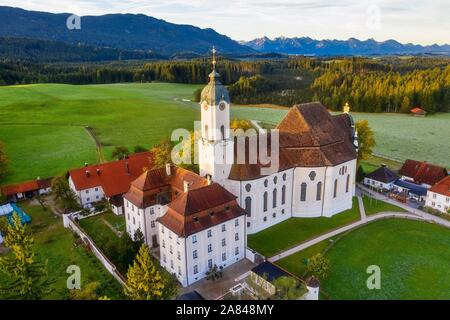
70,223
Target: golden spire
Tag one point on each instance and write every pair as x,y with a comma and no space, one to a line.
214,57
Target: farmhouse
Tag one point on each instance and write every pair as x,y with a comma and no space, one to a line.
198,221
438,197
108,180
382,178
28,189
422,173
418,112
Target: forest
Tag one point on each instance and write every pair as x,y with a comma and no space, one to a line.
380,84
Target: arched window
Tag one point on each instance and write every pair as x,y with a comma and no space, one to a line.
335,188
319,191
206,132
222,132
303,192
248,206
348,183
265,200
274,198
283,195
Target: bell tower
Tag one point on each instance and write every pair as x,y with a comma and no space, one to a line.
216,143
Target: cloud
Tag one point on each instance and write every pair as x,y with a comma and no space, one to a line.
417,21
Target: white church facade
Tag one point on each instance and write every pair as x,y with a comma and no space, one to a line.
202,220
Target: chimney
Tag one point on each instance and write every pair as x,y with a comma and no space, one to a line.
186,186
127,167
208,179
168,169
87,173
98,172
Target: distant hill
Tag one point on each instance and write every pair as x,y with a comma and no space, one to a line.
352,46
120,31
35,50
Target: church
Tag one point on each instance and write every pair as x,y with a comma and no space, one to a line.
199,221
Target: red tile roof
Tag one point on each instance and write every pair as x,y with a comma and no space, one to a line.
309,137
26,186
200,209
114,177
151,184
423,172
442,187
418,111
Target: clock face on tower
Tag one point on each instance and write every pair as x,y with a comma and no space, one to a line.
222,106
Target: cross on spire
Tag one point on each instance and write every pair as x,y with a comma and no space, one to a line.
214,57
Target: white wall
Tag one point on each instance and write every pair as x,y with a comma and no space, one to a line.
377,184
184,247
143,219
87,196
437,201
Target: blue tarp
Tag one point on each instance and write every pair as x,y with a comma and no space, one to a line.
8,210
412,187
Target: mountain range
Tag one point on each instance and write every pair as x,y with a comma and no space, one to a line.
119,31
352,46
137,36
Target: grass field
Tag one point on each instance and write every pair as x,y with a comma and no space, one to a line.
43,125
413,258
56,244
297,230
374,206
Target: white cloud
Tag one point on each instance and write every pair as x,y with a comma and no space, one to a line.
417,21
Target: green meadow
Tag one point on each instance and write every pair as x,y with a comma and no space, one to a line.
43,126
413,258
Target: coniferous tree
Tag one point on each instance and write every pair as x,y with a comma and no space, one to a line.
145,281
27,276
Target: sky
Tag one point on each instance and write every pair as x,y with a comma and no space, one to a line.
417,21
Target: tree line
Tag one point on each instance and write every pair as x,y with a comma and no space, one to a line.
388,84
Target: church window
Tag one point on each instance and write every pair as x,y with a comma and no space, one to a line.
347,185
319,191
335,188
248,187
248,224
266,183
274,198
274,215
312,175
194,254
275,180
222,132
224,256
303,192
265,201
284,176
236,223
283,195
